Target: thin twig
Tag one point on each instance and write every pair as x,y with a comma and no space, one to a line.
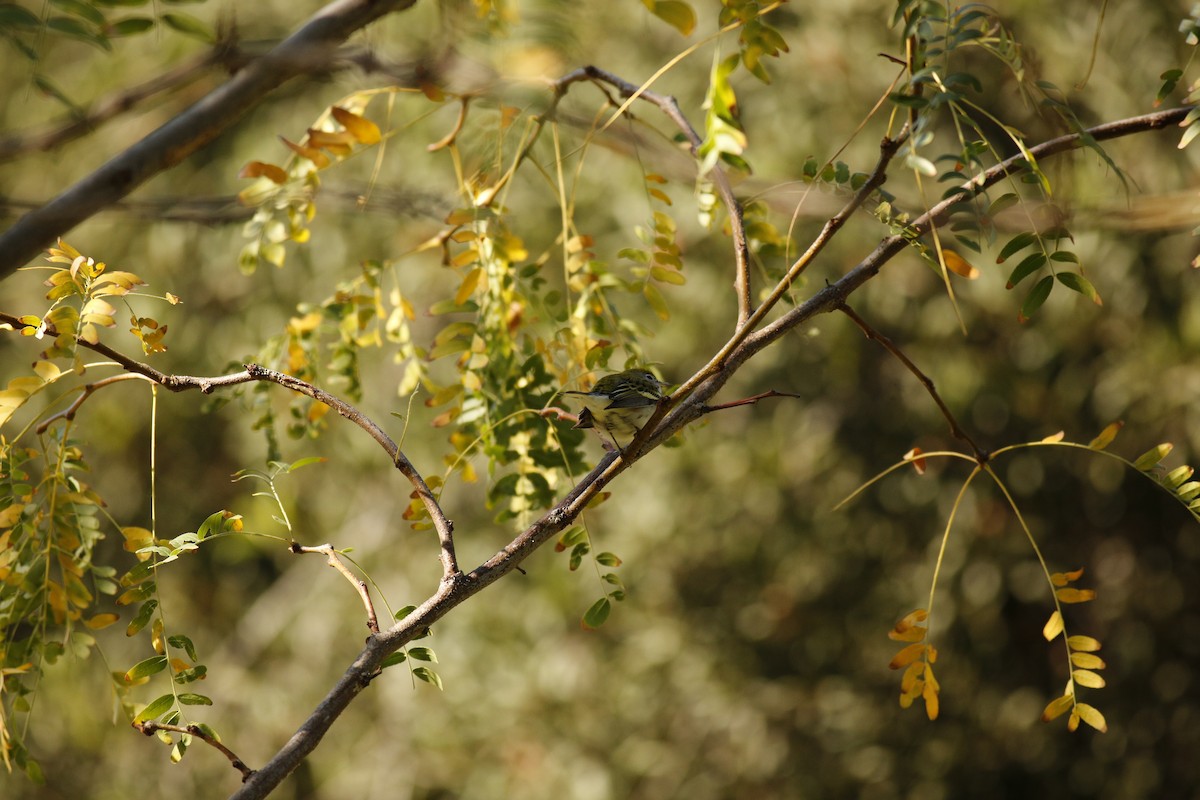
255,372
150,727
359,584
747,401
88,389
981,455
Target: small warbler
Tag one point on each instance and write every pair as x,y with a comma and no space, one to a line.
620,404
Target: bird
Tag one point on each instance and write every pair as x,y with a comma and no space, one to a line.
620,404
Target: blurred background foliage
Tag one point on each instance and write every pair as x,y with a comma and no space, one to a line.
750,657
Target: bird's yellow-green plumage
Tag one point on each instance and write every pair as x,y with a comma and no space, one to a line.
620,404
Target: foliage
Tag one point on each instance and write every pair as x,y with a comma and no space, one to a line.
583,227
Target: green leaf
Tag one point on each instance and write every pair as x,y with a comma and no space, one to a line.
144,669
422,654
130,26
193,699
1151,457
1077,283
1029,265
142,618
677,14
395,658
428,675
1018,242
1035,298
597,614
190,26
156,708
181,642
13,16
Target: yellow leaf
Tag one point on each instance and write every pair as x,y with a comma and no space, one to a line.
465,257
1063,578
1083,644
1092,716
1085,677
676,13
1053,438
1070,595
911,678
100,621
1152,456
931,701
1057,707
959,265
311,153
1053,626
913,634
469,284
1107,435
907,656
361,128
1087,661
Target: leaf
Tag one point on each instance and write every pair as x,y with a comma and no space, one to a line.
1054,438
1071,595
193,699
1106,436
144,669
1028,265
907,656
189,26
1077,283
1087,661
361,128
1014,245
1092,716
156,708
1053,627
1085,677
959,265
1151,457
429,676
1083,644
677,14
1063,578
597,614
260,169
917,462
1057,707
1037,295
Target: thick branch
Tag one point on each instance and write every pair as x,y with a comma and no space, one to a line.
314,43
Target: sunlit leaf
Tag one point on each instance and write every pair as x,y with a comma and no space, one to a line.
1053,626
156,708
1151,457
1053,438
1087,661
1106,436
1087,678
907,656
1092,716
1057,707
1072,595
1083,644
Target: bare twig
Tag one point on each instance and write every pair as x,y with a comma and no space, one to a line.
87,390
747,401
314,43
150,727
335,561
981,455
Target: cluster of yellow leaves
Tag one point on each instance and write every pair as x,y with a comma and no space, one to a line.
284,195
917,660
1082,653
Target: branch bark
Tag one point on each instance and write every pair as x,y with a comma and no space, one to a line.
314,43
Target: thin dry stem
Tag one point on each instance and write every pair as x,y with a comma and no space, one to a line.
335,561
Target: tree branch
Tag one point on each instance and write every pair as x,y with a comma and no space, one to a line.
981,455
335,561
150,727
314,43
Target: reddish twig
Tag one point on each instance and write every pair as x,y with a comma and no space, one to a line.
150,727
747,401
981,455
